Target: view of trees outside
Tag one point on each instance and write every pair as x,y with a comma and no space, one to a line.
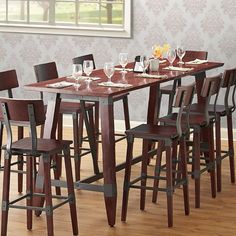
63,11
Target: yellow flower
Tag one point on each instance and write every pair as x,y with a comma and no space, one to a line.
158,50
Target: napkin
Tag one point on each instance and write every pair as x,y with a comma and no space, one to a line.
61,84
117,85
120,69
196,62
152,76
177,68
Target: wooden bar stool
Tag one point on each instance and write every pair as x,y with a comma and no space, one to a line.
226,110
123,97
201,121
9,81
170,89
168,137
31,113
48,71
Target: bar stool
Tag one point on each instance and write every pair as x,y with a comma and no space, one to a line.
9,81
123,97
201,122
170,89
226,110
169,137
48,71
31,113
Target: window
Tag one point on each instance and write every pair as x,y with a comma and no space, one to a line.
74,17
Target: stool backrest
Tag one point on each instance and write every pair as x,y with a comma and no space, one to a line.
44,72
183,100
28,113
210,88
81,59
192,55
229,82
8,81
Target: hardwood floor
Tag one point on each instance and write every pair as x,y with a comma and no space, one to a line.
215,217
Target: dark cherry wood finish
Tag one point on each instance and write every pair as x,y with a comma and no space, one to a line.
104,96
31,114
168,137
123,97
9,81
170,89
48,71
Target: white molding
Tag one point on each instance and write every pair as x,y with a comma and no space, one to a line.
119,126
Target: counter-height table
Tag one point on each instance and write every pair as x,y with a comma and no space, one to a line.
91,91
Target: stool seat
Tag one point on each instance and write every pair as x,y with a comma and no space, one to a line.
194,119
43,145
156,132
168,89
73,107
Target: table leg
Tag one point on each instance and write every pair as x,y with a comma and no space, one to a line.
108,150
49,132
154,104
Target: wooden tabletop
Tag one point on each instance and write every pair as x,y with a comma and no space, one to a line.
92,89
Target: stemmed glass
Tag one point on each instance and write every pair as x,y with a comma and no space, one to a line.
88,68
144,62
77,71
181,53
109,70
123,60
171,55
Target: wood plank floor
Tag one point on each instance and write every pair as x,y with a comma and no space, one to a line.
215,217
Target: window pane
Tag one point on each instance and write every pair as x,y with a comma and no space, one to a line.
65,12
88,13
2,9
39,11
17,10
112,13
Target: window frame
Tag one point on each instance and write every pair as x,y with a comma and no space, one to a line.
82,29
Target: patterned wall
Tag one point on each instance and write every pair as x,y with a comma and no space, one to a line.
198,24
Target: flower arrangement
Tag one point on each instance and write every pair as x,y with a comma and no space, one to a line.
158,51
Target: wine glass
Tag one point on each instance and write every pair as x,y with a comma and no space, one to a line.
77,71
88,68
109,70
181,53
123,60
144,62
171,55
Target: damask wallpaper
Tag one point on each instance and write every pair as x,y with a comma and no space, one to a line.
198,24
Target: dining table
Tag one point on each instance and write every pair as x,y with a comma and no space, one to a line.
98,91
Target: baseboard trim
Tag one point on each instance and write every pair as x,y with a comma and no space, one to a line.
120,126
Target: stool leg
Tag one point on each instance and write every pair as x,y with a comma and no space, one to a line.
29,189
93,143
56,173
218,152
5,193
59,137
183,160
70,189
144,174
76,146
48,193
1,133
169,186
20,162
129,156
212,160
196,171
231,147
126,112
157,170
174,161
